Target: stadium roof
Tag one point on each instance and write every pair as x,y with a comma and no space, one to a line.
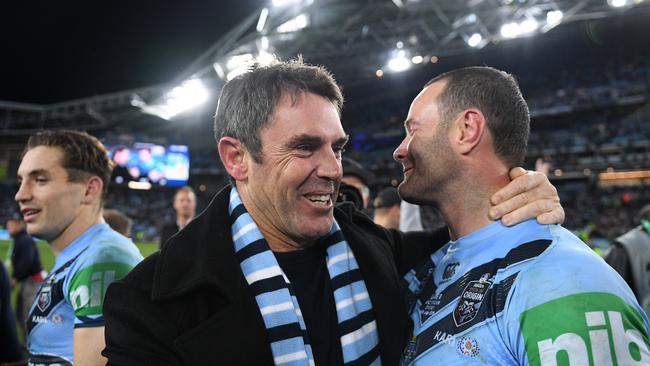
357,40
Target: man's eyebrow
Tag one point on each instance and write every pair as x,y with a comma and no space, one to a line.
342,141
35,173
304,139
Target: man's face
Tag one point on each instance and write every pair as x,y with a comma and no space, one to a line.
14,227
48,202
429,162
185,203
294,189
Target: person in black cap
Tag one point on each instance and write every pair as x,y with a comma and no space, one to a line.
387,208
356,176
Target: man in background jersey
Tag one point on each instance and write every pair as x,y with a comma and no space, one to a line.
63,178
529,294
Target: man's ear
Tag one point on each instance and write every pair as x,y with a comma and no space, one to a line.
233,155
94,189
470,128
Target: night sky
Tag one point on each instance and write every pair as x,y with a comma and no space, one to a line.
54,51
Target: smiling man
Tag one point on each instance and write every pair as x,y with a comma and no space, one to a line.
529,294
63,178
272,272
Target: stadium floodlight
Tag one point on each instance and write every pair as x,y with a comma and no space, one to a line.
618,3
399,62
417,59
261,22
528,25
264,58
295,24
189,94
554,17
514,29
283,3
474,40
510,30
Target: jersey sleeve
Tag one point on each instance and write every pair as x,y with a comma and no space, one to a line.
92,276
570,308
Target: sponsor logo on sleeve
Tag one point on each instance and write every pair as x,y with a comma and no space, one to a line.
88,286
588,329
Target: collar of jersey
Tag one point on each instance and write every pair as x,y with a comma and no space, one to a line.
482,235
80,243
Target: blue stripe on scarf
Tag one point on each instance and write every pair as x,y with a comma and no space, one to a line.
279,307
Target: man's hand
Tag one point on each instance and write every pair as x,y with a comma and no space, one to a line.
529,194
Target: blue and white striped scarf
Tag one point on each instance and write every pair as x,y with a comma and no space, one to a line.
279,307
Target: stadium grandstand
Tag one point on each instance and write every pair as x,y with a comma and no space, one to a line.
583,66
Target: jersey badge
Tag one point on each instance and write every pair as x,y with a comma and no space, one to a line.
471,299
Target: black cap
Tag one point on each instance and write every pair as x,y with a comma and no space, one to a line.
351,167
387,197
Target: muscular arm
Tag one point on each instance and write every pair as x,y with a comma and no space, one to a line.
88,345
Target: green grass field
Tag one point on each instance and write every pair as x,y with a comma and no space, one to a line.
47,259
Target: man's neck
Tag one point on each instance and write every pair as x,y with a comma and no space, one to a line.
84,220
466,210
181,221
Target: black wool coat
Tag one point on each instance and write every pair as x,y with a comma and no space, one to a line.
189,304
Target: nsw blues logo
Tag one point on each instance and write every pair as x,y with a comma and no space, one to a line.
450,271
471,299
44,297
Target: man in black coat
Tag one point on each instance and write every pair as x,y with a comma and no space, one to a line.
272,272
27,268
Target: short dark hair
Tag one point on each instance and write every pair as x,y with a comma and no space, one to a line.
83,155
496,94
248,101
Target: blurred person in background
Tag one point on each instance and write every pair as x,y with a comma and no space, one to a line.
118,221
27,271
10,349
387,208
63,179
629,255
185,208
355,175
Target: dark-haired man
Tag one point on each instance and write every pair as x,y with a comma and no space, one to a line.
64,176
272,273
185,209
529,294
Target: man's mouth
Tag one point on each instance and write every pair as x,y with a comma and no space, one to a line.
29,213
320,199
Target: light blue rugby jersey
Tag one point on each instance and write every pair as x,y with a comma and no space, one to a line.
526,295
72,295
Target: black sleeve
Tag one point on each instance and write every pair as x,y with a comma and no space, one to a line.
135,333
617,258
413,248
22,257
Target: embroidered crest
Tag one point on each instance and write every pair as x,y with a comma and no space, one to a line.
450,271
471,299
44,297
467,346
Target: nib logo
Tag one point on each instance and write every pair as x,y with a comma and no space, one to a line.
590,329
599,338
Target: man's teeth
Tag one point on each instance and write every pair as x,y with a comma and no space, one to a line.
323,198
